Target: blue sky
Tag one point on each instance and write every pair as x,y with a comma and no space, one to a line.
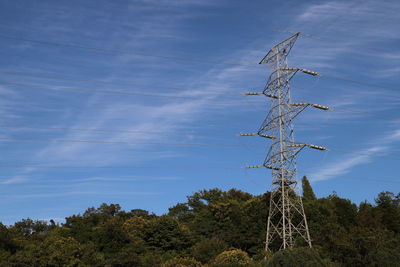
220,42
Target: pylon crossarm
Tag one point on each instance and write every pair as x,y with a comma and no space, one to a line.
282,73
313,73
253,166
266,136
286,182
273,158
252,93
275,168
294,144
317,147
278,82
246,134
271,96
297,152
258,133
295,110
283,48
269,123
318,106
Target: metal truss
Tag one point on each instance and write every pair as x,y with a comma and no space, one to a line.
287,223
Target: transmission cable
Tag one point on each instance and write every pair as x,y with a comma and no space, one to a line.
111,83
359,178
115,51
64,88
224,100
116,167
341,110
393,156
171,167
356,82
115,130
114,142
165,57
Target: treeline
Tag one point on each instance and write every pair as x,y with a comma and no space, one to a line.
212,228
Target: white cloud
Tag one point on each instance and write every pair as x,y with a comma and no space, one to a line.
360,157
167,116
344,166
73,193
348,29
14,180
329,10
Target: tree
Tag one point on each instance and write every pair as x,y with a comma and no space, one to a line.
63,251
180,211
104,209
29,227
182,262
388,207
375,247
308,193
214,228
296,257
6,240
208,248
232,258
110,237
166,233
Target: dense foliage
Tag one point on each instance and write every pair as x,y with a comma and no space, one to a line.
212,228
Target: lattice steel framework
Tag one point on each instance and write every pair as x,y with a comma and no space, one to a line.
287,223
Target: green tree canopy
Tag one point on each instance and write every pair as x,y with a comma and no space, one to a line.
213,228
305,257
232,258
308,193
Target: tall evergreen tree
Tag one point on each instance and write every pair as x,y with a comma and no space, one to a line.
308,193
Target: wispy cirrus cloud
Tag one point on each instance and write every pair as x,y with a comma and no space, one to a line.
142,116
75,193
348,29
363,156
14,180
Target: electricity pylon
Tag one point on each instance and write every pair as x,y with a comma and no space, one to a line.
287,223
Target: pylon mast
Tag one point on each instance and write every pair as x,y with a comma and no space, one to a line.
287,223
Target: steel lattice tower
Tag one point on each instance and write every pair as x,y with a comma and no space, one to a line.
287,223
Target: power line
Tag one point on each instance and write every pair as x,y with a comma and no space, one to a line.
111,83
63,88
170,57
115,51
360,179
116,167
114,131
124,131
366,154
225,100
341,110
170,144
357,82
371,114
171,167
336,176
114,142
